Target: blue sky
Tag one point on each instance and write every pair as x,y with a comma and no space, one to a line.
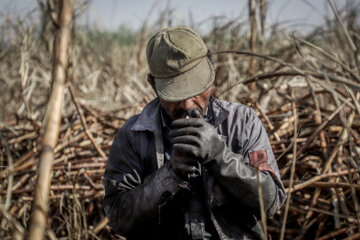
109,14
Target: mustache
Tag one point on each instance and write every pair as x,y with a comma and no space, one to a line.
182,113
179,113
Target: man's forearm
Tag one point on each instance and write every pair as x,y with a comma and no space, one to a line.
133,207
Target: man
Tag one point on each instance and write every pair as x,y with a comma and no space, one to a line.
186,166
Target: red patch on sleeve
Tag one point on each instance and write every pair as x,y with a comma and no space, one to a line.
258,159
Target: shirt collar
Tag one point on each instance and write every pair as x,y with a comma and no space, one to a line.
165,119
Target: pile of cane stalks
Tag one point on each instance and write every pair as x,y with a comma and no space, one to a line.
317,159
305,90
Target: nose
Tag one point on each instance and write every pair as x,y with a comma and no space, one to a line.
187,103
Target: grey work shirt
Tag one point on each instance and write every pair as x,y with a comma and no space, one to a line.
140,190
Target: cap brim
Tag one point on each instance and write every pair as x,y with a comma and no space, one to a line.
188,84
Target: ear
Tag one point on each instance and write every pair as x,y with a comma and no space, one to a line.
151,81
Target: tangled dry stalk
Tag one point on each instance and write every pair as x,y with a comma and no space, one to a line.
305,89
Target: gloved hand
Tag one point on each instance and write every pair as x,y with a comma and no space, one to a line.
184,165
196,138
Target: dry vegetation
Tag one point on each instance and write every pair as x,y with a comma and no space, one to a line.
305,89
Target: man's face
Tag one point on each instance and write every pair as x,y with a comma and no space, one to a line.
177,110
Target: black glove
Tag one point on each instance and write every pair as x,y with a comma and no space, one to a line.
184,165
196,138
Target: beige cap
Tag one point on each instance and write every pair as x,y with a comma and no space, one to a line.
177,59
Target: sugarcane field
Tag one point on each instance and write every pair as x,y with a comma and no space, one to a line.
69,83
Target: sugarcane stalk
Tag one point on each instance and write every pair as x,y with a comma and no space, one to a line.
51,123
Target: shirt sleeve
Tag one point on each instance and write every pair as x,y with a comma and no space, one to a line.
129,201
237,172
259,154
